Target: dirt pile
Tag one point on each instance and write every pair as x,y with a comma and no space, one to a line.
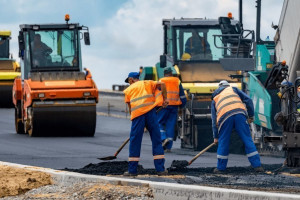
15,181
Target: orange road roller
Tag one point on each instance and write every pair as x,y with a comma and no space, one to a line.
54,96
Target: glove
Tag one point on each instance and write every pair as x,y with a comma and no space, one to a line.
165,103
250,120
216,140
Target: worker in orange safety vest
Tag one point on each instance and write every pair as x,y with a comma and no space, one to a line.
167,118
230,109
142,97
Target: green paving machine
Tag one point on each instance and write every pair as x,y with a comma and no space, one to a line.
225,51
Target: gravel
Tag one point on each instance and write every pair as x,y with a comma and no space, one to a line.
85,190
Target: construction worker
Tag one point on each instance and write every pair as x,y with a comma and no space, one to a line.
228,111
197,47
167,117
41,52
141,97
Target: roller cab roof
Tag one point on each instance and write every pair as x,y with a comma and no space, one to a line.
193,22
5,33
25,27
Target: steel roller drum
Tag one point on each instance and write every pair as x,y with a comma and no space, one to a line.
67,120
6,96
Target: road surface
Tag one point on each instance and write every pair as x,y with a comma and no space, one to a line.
76,152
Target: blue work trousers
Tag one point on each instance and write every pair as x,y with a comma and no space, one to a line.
167,119
148,120
239,122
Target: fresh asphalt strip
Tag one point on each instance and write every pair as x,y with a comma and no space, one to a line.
164,190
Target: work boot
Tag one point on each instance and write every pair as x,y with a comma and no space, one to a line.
217,171
165,142
162,173
130,174
167,150
259,169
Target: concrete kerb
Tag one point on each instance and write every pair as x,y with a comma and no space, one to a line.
162,190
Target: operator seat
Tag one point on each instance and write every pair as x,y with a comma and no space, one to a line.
236,37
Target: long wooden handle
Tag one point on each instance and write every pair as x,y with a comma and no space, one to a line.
201,152
158,110
122,146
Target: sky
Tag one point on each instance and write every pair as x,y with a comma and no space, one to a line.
127,34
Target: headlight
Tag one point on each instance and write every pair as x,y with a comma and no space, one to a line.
35,27
72,26
41,95
86,94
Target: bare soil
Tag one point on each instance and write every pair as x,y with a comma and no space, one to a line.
16,181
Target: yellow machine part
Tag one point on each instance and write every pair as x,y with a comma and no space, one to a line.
9,75
5,33
16,66
155,74
205,88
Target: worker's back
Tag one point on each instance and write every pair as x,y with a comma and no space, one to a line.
141,96
172,86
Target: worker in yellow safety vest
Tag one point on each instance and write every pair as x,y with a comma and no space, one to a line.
167,118
142,97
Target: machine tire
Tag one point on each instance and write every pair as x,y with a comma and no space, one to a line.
32,132
19,126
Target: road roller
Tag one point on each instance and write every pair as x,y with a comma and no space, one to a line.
55,95
9,70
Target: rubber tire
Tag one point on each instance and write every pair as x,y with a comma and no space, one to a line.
19,126
31,132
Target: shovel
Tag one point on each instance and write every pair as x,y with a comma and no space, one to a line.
183,163
122,146
117,152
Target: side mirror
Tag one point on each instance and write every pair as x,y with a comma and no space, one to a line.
86,36
163,61
21,44
21,41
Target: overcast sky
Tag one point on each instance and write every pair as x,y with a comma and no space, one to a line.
126,34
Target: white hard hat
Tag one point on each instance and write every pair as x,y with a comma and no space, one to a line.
223,83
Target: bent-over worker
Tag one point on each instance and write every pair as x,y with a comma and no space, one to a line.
228,111
141,97
167,117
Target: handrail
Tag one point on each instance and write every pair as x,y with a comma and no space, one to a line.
239,37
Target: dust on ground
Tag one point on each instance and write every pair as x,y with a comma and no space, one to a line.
235,177
16,181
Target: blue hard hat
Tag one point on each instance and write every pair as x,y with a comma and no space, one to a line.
168,71
132,75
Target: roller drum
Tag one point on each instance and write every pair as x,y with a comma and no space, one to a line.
6,96
67,120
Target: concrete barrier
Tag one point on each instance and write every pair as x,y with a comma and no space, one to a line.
161,190
111,93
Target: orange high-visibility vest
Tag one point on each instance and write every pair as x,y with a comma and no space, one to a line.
172,85
226,101
142,96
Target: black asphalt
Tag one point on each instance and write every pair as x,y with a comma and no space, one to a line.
77,152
